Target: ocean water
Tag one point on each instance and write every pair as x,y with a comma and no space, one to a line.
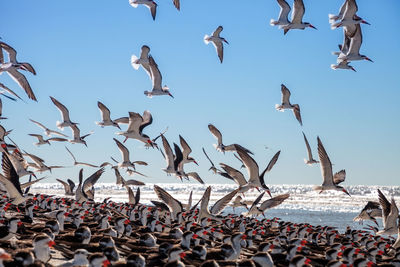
303,206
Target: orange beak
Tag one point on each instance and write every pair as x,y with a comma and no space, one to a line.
51,243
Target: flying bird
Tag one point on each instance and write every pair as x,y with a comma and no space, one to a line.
283,14
220,146
156,79
68,187
151,5
47,131
142,61
64,114
310,159
79,163
78,139
354,46
136,126
42,141
390,215
126,163
331,181
105,116
286,104
347,15
10,180
297,18
217,41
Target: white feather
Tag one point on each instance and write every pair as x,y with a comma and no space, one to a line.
134,60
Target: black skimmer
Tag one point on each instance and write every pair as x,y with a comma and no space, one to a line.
42,141
105,116
136,126
172,160
68,187
351,51
287,105
371,211
80,259
310,159
212,168
150,4
12,68
64,114
217,41
347,15
268,204
83,188
156,79
143,60
331,181
10,180
77,138
236,175
47,131
9,231
390,215
220,146
78,162
297,18
256,179
41,247
126,163
174,205
218,206
283,14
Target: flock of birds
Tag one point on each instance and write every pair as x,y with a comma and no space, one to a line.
168,232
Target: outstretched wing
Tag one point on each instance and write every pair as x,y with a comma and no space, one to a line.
220,205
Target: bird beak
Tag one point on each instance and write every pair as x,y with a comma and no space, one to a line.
345,191
367,58
170,95
150,143
196,162
311,26
374,220
126,138
353,69
106,263
269,193
5,256
51,243
226,41
365,22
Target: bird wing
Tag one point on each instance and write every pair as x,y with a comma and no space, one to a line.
268,168
38,136
72,155
219,47
177,4
22,82
156,76
169,156
217,31
256,201
123,120
147,120
351,9
9,90
326,165
309,153
296,111
105,112
356,41
237,176
64,111
220,205
134,182
250,164
391,219
298,12
285,94
212,164
10,175
339,177
186,150
58,139
205,200
386,206
217,134
135,120
90,181
71,185
28,67
66,186
189,205
284,12
273,202
174,204
371,205
12,54
195,176
178,156
124,150
118,176
131,195
153,10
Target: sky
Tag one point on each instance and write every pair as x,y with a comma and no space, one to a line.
81,51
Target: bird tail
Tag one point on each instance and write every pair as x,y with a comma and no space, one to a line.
336,25
273,22
278,107
305,161
206,41
336,53
133,3
333,66
134,62
332,18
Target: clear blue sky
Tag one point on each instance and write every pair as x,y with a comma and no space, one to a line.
81,51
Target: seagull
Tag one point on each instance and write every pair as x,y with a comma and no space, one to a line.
79,163
12,68
151,5
126,163
283,14
216,40
310,161
78,139
10,180
220,146
68,187
47,131
256,180
297,18
390,215
105,116
331,182
42,141
286,104
353,53
143,60
136,125
348,17
64,113
156,79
